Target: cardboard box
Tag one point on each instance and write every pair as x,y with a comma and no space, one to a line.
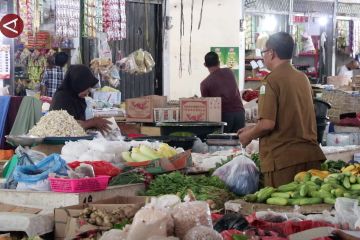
142,109
167,114
63,215
200,109
113,98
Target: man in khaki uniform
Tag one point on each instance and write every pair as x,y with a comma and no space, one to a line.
286,125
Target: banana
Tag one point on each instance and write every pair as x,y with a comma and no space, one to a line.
138,157
145,150
349,168
127,157
135,150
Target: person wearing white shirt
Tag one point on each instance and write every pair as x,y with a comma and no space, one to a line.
347,70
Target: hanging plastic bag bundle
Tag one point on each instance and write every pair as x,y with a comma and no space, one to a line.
240,174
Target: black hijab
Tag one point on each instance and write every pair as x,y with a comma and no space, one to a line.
78,78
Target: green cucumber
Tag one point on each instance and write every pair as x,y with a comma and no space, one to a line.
277,201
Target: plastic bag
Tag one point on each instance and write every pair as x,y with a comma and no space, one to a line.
231,221
21,159
190,214
100,167
148,222
40,171
347,211
114,234
149,61
42,185
240,175
35,156
202,233
75,149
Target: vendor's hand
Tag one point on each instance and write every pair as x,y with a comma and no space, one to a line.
102,124
244,137
344,236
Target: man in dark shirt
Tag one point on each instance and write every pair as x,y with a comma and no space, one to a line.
221,83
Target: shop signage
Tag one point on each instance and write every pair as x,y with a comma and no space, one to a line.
11,25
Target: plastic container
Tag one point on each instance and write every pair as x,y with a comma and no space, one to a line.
339,139
67,185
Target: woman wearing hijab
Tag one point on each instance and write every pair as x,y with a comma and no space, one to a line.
71,94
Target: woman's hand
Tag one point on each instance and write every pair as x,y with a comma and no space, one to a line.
102,124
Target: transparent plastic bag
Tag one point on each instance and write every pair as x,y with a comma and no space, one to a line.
202,233
347,211
240,175
190,214
148,222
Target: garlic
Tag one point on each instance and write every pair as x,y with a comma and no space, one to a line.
57,124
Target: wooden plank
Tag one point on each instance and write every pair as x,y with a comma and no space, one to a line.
246,208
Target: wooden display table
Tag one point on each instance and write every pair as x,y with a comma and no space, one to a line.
246,208
56,200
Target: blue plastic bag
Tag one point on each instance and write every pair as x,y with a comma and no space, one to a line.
40,171
240,174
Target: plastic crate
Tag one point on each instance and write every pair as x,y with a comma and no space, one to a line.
79,185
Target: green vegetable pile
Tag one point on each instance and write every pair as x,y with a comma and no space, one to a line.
310,190
204,188
333,166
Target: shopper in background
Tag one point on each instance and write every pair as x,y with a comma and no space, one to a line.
286,125
53,74
347,70
221,83
70,96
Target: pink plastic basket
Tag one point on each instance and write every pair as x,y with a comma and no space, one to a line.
79,185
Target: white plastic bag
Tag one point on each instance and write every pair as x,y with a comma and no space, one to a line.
114,234
240,175
42,185
148,222
348,211
190,214
75,149
202,233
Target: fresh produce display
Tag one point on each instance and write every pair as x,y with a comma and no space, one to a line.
333,166
145,153
312,187
210,189
57,124
137,175
354,169
109,219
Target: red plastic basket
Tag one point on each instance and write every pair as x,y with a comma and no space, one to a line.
79,185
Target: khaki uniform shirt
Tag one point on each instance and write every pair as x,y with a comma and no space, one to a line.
286,98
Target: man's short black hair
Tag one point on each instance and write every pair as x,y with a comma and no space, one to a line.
212,59
282,44
61,58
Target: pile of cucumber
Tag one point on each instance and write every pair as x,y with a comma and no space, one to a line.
311,190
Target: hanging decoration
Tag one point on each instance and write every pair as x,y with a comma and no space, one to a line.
24,11
89,19
99,15
114,19
123,18
67,18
